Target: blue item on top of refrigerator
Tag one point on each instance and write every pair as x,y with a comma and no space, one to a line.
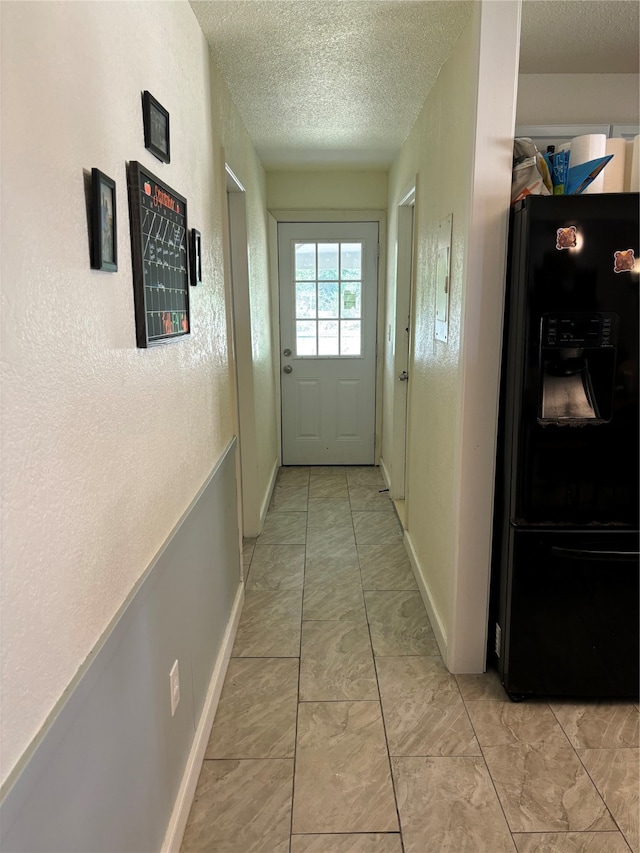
581,176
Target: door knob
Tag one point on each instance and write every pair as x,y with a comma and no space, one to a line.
403,376
286,353
287,369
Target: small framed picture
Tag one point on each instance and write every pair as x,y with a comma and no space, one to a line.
156,128
105,242
195,257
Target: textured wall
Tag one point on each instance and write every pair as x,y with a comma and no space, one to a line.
326,190
438,150
578,99
104,445
447,411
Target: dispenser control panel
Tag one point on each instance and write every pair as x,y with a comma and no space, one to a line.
579,330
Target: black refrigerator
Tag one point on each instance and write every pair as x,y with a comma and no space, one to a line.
564,604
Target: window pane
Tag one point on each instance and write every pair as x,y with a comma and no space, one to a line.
305,299
305,261
350,303
328,343
328,299
306,338
327,261
350,337
351,266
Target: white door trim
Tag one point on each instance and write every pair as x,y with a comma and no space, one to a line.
403,344
380,217
328,401
240,325
274,278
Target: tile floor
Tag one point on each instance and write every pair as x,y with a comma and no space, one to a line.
339,730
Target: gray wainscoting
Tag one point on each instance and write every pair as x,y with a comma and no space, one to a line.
106,769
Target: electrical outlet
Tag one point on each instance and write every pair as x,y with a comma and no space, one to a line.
174,687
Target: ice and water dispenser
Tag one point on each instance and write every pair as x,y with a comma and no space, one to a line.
577,368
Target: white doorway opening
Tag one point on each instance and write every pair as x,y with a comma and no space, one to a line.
242,354
402,350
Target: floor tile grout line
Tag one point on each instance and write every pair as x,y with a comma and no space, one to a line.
359,832
511,831
295,746
252,758
382,717
568,831
473,729
486,765
580,832
389,757
597,789
295,739
547,701
377,701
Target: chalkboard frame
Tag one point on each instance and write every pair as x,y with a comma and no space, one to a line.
148,194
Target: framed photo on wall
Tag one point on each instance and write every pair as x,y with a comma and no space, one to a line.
195,257
156,128
104,255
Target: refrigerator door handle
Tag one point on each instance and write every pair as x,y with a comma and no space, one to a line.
580,554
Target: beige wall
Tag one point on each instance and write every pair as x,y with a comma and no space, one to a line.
104,444
578,99
460,151
438,150
326,190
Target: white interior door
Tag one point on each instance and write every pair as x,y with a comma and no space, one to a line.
328,310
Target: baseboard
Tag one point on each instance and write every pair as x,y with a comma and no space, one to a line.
267,498
182,807
432,611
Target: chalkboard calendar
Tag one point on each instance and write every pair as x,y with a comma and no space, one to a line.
159,254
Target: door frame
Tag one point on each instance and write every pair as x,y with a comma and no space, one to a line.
378,216
240,338
403,343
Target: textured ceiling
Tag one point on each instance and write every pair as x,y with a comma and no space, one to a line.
341,82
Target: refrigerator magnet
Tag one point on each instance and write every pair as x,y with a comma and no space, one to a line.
566,238
624,261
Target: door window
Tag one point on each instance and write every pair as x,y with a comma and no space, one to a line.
328,299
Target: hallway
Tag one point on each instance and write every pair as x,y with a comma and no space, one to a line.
339,730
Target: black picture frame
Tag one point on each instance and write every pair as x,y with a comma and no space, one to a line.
160,258
195,258
104,244
156,128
